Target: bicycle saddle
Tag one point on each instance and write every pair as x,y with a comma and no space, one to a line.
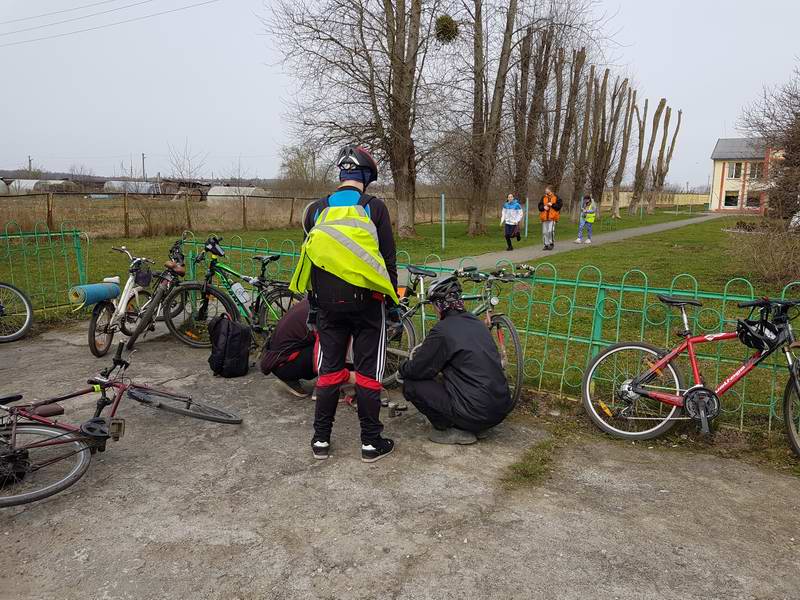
267,259
174,266
676,301
421,272
10,399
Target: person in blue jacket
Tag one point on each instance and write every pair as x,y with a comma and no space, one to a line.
511,218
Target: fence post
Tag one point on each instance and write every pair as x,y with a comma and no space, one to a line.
291,212
244,212
442,215
125,215
50,224
597,322
188,212
76,244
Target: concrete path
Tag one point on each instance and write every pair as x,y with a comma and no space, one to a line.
530,253
183,509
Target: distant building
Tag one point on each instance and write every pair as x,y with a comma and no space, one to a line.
740,169
132,187
220,194
34,186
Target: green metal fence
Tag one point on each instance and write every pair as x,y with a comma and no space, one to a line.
44,263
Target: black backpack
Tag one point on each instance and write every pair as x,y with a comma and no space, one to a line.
230,347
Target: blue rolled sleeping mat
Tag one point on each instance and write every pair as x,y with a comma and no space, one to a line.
92,293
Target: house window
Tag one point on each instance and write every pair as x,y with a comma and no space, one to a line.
731,199
734,170
753,201
756,170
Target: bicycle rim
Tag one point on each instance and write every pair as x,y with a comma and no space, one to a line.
791,416
182,405
137,306
16,313
400,340
274,306
199,307
100,337
629,416
42,471
508,345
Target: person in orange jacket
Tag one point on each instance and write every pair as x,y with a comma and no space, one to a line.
549,213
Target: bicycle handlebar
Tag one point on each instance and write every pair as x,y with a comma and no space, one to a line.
767,302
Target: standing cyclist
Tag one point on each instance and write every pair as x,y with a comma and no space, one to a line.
348,263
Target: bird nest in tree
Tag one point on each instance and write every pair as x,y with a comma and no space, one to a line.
446,29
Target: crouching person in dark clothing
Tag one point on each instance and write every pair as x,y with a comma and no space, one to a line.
289,353
473,393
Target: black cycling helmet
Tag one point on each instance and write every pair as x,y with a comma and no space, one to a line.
356,158
444,288
759,335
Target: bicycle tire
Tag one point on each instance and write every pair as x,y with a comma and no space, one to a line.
132,312
99,309
405,343
667,422
199,338
172,403
22,330
791,414
147,318
514,379
281,298
80,450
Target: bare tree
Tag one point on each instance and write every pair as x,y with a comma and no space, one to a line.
559,128
185,163
487,110
582,149
623,153
606,138
362,78
661,168
81,175
642,171
302,168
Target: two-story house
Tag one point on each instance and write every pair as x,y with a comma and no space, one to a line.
740,167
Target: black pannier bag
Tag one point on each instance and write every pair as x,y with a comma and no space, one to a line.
230,347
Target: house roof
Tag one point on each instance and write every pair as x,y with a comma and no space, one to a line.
739,148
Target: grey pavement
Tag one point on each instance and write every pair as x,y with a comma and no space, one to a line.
530,253
182,509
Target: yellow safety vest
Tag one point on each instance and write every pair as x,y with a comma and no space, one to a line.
344,242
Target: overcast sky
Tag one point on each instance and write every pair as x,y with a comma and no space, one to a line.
207,74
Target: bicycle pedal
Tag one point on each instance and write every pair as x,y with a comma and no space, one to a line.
116,428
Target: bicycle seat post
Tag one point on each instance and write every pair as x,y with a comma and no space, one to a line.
686,331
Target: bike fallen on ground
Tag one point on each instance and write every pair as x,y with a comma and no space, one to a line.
40,456
16,313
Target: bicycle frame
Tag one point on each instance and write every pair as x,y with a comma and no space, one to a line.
688,346
224,272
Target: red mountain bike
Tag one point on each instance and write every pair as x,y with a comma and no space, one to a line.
635,391
40,457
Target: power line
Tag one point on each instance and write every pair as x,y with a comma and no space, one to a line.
73,19
157,14
57,12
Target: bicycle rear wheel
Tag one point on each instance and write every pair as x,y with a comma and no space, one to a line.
200,303
16,313
32,470
400,341
620,412
791,415
182,405
100,333
276,304
506,337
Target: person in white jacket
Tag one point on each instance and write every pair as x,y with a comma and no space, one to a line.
511,218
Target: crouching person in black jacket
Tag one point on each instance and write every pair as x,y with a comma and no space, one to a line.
473,393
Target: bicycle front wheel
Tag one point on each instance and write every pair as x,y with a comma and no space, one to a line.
146,318
200,303
616,409
101,334
182,405
400,341
791,414
16,313
43,461
506,338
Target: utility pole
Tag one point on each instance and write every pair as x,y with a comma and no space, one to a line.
30,164
144,173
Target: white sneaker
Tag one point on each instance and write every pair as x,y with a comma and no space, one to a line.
579,241
588,242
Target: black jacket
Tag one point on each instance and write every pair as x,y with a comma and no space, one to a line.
291,334
380,216
461,347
